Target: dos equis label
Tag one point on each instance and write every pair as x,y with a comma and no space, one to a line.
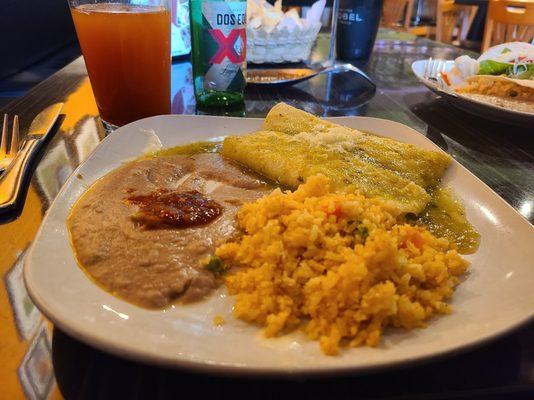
224,36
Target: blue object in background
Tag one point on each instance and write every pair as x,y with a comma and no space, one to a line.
180,33
182,94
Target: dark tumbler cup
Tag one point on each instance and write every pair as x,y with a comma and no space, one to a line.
357,25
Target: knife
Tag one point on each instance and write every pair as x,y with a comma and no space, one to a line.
12,180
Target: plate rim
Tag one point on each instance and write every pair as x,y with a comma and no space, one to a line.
234,369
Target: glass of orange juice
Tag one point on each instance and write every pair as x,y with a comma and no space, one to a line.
126,45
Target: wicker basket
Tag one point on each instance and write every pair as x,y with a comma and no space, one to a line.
280,46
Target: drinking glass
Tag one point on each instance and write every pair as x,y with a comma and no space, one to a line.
126,45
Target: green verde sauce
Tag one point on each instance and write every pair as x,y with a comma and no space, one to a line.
445,217
188,149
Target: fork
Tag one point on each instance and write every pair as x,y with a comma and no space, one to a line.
433,71
7,153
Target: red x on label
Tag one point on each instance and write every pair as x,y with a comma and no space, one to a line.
226,46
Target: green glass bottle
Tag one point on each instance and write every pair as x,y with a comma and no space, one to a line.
218,51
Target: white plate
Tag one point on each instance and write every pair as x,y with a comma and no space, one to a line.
496,296
477,107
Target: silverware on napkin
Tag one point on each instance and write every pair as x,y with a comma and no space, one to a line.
9,138
12,180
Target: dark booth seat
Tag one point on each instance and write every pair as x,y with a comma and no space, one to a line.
38,38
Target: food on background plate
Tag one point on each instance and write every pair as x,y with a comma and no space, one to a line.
350,243
503,76
514,60
274,75
501,91
337,265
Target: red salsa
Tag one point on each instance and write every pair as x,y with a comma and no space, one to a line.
170,209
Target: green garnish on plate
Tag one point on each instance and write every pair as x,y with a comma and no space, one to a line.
216,266
518,71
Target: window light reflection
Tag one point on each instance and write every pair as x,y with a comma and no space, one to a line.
489,215
121,315
526,208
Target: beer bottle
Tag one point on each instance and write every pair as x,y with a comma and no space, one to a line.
218,52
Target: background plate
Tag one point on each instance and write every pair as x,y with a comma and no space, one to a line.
496,296
476,107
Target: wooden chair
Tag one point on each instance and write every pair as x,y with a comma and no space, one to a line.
453,20
392,12
508,21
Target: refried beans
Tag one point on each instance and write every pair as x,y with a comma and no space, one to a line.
154,256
